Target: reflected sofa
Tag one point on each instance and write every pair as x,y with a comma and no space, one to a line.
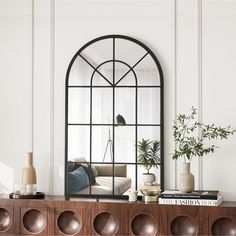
103,179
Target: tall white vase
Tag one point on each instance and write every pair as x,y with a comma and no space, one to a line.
186,181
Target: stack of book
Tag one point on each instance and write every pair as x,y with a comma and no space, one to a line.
198,197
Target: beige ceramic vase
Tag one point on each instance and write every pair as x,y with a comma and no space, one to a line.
186,181
148,178
29,173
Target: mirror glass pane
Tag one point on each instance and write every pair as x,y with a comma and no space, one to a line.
78,142
125,104
103,76
149,106
131,173
128,51
147,72
80,177
80,73
142,178
102,144
125,144
122,77
124,178
78,106
149,132
99,52
104,180
102,106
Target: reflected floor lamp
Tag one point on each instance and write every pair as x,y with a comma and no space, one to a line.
120,121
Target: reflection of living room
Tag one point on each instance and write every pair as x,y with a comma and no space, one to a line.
98,178
102,173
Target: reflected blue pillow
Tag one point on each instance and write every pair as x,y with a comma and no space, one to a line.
77,180
95,172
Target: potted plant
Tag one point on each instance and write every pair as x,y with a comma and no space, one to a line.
149,157
190,137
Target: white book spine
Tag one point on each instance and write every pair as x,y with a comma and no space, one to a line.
193,202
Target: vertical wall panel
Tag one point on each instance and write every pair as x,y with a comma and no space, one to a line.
42,110
169,105
187,67
219,83
15,90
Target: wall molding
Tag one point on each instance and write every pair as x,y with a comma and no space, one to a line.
31,86
44,87
52,100
188,62
175,76
200,161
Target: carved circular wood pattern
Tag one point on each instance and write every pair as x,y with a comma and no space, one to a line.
5,220
69,223
184,225
34,221
224,226
105,224
144,224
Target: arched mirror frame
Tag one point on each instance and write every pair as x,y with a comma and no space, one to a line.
161,125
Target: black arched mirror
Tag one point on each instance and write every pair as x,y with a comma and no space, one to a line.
114,119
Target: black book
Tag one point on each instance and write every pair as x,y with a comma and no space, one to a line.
197,194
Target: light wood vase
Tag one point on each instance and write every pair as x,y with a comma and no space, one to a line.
186,181
29,172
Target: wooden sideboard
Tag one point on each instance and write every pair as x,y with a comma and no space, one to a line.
57,216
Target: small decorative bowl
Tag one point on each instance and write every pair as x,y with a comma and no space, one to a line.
149,192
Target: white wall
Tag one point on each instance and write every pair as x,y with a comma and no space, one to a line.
15,89
193,40
218,90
